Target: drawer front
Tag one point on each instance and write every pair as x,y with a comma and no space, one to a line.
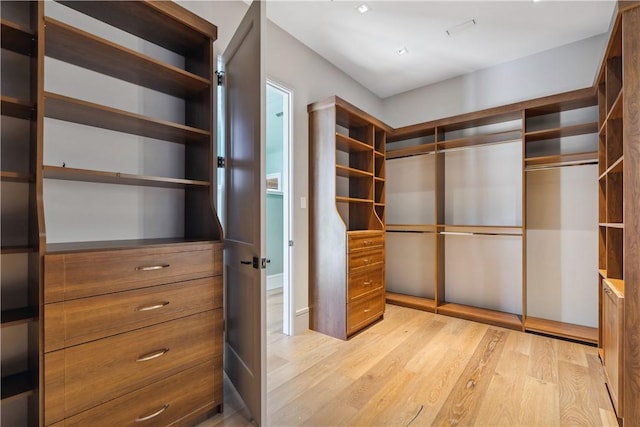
363,311
365,259
365,240
160,404
80,275
363,282
86,319
112,367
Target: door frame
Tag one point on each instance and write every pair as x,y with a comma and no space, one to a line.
288,312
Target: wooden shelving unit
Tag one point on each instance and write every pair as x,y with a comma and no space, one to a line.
491,317
562,329
17,386
17,316
424,304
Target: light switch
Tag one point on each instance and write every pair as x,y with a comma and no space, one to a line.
303,202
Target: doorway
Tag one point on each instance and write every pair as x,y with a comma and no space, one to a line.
278,209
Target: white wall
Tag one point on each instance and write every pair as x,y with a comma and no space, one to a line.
569,67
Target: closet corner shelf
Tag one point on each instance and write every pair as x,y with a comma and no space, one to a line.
616,167
16,177
87,113
74,46
616,285
533,163
492,138
418,303
17,38
492,317
562,329
350,145
343,199
72,174
17,108
17,316
17,385
413,228
411,151
561,132
616,108
348,172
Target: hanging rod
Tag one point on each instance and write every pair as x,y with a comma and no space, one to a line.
476,233
557,166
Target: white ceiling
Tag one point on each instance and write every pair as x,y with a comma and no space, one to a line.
364,45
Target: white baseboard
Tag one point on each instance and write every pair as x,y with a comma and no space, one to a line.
275,281
301,321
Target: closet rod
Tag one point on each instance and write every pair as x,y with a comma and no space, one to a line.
475,233
541,168
411,231
467,147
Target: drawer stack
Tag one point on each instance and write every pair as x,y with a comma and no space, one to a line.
133,335
365,284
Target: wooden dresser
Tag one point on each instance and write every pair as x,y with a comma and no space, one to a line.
133,335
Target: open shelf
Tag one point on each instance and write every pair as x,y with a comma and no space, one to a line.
561,329
71,174
17,249
78,47
345,199
492,317
16,177
532,163
561,132
18,316
17,38
350,145
17,108
17,385
616,108
492,138
75,110
603,273
349,172
616,167
413,228
108,245
616,285
419,303
411,151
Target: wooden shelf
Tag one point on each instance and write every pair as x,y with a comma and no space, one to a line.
603,273
561,132
616,285
470,141
419,303
17,249
496,230
109,245
616,167
18,316
532,163
17,385
613,225
17,108
348,172
561,329
413,228
492,317
71,174
616,108
17,38
78,47
411,151
75,110
350,145
344,199
379,154
181,33
7,176
584,98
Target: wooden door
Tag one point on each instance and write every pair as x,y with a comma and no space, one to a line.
245,355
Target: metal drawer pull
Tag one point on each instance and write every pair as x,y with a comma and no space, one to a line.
366,260
155,414
152,307
153,267
368,242
367,282
367,310
152,355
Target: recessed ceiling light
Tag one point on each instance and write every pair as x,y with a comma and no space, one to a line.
402,51
456,29
363,8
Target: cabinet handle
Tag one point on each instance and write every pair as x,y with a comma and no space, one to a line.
152,355
152,307
367,282
367,310
366,260
367,242
153,267
152,415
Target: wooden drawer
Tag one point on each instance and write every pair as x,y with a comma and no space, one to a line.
80,275
363,311
359,240
362,282
365,259
84,376
81,320
170,400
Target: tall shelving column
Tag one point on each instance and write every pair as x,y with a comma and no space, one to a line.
20,251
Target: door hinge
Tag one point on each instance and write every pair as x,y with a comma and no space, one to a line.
221,162
290,243
220,75
259,263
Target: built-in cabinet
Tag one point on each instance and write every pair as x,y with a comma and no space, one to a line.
619,201
347,214
115,278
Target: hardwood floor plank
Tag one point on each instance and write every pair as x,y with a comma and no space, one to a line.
462,405
543,360
577,403
541,404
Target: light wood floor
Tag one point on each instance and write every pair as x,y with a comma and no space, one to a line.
420,369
